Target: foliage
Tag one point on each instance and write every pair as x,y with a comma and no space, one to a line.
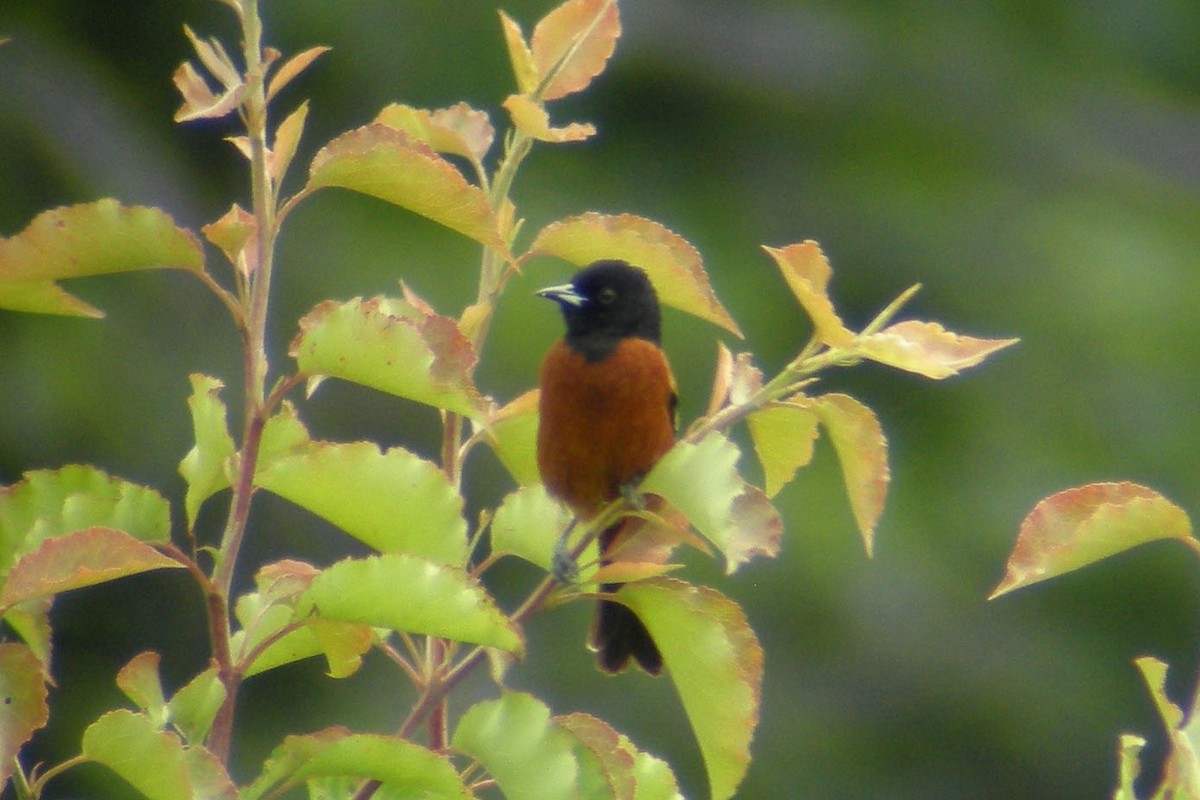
422,597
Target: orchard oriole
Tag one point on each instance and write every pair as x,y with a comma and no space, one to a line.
607,414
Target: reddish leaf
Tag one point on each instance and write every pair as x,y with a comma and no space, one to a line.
572,43
459,130
23,708
927,348
293,67
79,559
673,264
1083,525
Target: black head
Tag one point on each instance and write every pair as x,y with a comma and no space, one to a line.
604,303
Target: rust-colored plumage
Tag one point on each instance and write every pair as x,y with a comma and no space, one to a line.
607,412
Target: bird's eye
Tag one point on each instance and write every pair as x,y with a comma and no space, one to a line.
607,295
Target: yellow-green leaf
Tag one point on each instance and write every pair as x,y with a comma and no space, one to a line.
459,130
393,346
91,239
862,452
387,163
518,54
204,465
512,434
927,348
807,273
784,435
673,264
716,663
534,121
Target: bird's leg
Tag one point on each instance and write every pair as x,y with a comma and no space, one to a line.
562,563
635,499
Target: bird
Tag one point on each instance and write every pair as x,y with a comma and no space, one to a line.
606,416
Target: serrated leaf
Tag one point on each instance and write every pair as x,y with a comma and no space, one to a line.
512,434
534,121
701,482
390,345
861,447
392,500
716,664
194,707
1081,526
807,273
155,762
139,680
572,44
399,765
406,593
204,465
459,130
1181,772
527,524
519,55
79,241
673,264
784,435
23,707
48,503
391,165
75,560
292,68
614,754
927,348
522,748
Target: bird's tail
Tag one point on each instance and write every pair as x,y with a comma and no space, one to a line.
618,634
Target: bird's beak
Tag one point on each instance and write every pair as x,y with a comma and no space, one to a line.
565,294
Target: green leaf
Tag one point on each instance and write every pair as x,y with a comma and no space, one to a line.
1086,524
393,346
405,593
83,558
31,621
526,752
512,434
459,130
140,682
783,435
927,348
195,706
23,707
527,524
702,483
204,466
571,45
91,239
519,55
265,614
399,765
48,503
387,163
392,500
862,451
673,264
1129,749
613,754
807,273
154,761
716,664
1181,772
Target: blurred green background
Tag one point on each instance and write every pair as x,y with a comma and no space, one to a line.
1035,165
